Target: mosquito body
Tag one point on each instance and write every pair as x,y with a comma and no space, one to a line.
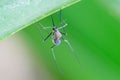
57,36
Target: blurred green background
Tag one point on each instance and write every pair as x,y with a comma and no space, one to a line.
93,31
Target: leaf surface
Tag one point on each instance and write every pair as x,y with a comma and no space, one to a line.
18,14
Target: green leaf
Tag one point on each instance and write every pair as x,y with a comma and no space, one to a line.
18,14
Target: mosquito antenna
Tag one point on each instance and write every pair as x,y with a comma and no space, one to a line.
52,21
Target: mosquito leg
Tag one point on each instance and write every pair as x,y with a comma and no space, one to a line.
62,22
48,27
60,16
38,28
45,28
48,36
63,33
61,19
53,54
63,26
53,23
68,43
54,57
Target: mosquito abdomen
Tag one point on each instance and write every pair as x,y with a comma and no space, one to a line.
56,42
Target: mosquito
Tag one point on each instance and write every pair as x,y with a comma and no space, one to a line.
56,35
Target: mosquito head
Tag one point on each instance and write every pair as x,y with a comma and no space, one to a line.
54,29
